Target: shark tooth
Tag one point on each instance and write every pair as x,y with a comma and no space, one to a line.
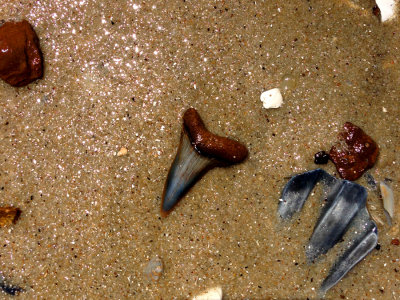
345,211
199,151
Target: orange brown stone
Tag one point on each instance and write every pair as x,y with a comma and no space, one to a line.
21,60
355,153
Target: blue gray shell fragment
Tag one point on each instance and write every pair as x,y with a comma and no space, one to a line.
345,208
9,288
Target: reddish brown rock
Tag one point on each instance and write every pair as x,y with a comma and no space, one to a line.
355,152
209,144
9,215
21,60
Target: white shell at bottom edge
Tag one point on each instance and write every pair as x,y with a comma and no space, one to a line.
211,294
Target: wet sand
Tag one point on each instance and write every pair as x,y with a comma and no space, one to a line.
121,74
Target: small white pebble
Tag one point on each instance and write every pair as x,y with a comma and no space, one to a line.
211,294
387,8
272,98
384,109
123,151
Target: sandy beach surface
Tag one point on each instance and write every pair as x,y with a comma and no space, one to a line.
120,74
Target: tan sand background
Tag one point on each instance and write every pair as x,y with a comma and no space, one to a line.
120,74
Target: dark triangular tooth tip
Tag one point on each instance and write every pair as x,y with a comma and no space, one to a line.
361,245
187,168
344,201
296,192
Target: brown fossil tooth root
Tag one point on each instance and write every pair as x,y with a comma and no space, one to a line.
199,151
9,215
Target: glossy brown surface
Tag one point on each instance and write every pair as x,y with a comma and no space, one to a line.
357,154
21,60
209,144
9,215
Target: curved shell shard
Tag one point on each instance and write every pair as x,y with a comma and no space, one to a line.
344,202
363,243
296,192
345,211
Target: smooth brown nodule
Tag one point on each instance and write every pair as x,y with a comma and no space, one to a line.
9,215
21,60
209,144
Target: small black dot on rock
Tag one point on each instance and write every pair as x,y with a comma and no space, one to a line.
321,158
378,247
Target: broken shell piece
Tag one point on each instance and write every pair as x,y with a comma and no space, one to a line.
344,201
123,151
345,210
154,269
211,294
272,98
9,288
388,199
199,151
9,215
354,153
387,9
364,241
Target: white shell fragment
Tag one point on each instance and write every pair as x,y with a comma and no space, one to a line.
154,269
272,98
387,197
211,294
387,8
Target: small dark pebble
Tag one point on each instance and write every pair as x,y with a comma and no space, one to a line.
376,11
321,158
370,181
378,247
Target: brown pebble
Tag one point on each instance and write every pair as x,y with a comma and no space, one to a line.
355,153
395,242
212,145
376,11
9,215
21,60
